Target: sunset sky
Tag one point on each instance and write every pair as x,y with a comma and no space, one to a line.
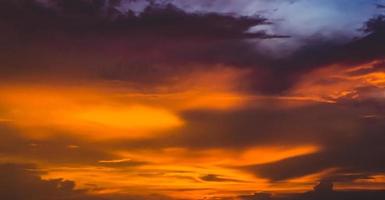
192,99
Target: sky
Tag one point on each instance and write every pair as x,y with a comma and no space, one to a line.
192,100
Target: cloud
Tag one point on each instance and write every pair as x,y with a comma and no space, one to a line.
121,163
242,128
323,190
155,20
380,6
324,186
356,153
23,181
347,134
217,178
56,149
149,46
162,43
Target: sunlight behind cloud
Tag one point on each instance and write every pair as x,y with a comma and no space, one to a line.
83,113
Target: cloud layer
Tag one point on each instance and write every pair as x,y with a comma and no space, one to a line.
184,100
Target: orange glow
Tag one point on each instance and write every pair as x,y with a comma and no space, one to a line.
107,111
132,118
257,155
169,169
271,154
376,79
332,83
84,112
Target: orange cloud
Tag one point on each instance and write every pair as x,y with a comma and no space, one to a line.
179,172
84,112
112,110
334,82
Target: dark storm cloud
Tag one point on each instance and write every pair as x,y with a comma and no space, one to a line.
81,39
369,47
158,44
155,20
23,182
320,52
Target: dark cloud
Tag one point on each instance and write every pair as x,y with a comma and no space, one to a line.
324,186
217,178
257,196
23,182
61,149
380,6
155,21
357,153
319,52
324,190
140,197
268,124
369,47
161,43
